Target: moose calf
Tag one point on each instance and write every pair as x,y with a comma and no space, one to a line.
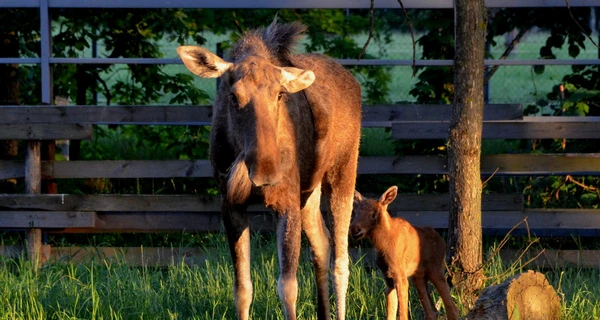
403,251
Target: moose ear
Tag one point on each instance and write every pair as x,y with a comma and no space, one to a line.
389,196
294,79
202,62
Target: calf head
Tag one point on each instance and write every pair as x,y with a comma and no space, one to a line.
255,94
366,213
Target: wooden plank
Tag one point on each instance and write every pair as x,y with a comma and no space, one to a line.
128,169
46,131
538,219
403,165
164,257
10,169
547,164
194,203
555,258
122,203
552,128
385,115
150,222
201,115
191,115
503,164
47,219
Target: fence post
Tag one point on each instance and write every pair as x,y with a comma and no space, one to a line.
33,163
33,185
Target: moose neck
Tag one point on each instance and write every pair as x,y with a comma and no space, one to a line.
382,231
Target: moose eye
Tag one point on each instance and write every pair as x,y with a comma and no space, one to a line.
374,215
279,96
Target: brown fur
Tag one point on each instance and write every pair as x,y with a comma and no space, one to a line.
403,251
285,127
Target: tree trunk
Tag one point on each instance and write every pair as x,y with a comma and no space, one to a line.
464,255
524,296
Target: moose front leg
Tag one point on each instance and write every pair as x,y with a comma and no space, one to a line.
317,234
237,228
289,231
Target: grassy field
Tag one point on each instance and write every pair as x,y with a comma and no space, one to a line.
113,290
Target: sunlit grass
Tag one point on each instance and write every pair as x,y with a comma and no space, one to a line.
113,290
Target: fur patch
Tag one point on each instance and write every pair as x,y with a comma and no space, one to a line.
239,184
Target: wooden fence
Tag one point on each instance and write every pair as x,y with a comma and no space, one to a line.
58,213
64,213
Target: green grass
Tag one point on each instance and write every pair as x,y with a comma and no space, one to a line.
113,290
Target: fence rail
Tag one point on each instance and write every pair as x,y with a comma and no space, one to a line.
164,257
274,4
498,165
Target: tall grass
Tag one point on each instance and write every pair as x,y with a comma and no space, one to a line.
112,290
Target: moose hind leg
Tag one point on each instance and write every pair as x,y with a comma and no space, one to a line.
318,237
289,231
439,282
238,236
425,297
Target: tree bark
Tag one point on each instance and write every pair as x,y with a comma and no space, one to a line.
524,296
464,253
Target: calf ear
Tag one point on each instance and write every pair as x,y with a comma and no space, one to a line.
294,79
202,62
357,197
389,196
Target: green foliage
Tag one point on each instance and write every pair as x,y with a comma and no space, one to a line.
436,84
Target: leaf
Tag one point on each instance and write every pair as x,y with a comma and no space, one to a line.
539,69
573,50
570,87
588,198
582,108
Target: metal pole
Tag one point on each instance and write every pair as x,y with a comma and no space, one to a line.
46,43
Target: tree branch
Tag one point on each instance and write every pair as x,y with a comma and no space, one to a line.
412,35
577,23
508,50
106,89
371,21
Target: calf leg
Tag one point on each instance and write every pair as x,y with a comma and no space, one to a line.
238,236
318,237
402,283
289,230
425,297
439,281
391,294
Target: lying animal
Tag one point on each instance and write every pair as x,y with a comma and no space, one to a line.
403,251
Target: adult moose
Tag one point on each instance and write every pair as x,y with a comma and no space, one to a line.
285,128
